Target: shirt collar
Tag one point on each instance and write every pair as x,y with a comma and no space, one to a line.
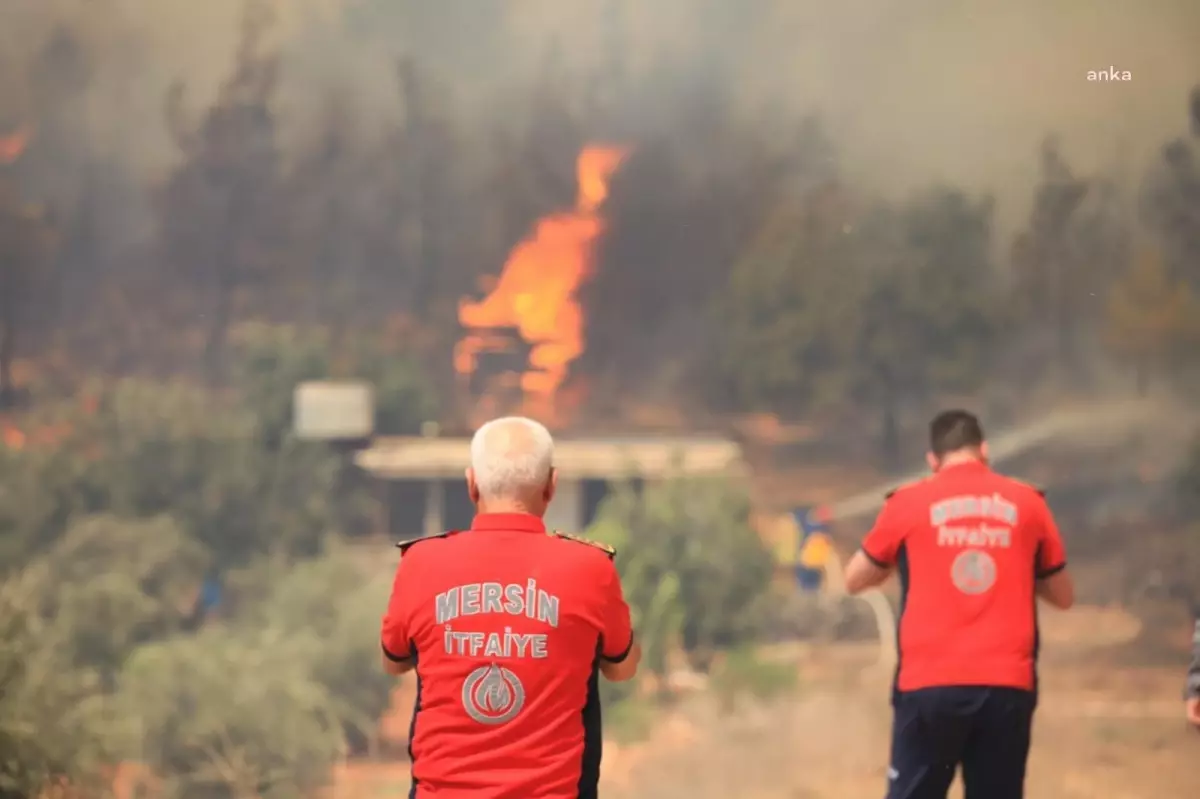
520,522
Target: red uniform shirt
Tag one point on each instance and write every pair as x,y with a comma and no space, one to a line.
969,545
507,624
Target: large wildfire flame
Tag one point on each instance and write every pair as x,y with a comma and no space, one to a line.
13,144
536,291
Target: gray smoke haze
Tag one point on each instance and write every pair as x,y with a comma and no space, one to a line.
913,91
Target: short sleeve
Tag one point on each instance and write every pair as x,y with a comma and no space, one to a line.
882,544
394,635
616,633
1192,690
1051,554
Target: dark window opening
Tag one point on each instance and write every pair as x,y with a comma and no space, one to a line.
457,510
406,508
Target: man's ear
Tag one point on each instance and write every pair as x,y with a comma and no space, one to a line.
551,486
933,461
983,452
472,486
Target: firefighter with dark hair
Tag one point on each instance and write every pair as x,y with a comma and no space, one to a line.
973,551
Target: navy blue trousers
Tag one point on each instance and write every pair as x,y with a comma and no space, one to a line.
984,730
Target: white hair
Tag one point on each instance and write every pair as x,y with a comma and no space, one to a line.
511,456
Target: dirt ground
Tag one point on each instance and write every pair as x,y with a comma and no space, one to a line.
1104,730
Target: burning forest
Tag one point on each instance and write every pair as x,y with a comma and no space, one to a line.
713,259
535,300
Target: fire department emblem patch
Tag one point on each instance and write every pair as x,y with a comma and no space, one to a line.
493,695
973,572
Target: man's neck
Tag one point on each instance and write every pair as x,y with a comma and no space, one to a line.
966,456
505,506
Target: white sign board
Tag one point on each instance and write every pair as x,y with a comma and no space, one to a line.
324,411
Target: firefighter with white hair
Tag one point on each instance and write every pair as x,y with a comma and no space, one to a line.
508,627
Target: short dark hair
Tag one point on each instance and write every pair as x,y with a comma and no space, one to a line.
954,430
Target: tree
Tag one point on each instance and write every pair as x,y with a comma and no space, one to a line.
1171,205
26,246
117,583
333,603
150,449
1075,244
404,396
217,211
331,200
787,305
925,321
696,574
97,664
701,204
1045,269
231,715
269,361
175,449
55,723
1153,319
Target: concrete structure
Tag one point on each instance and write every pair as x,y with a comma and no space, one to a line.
425,492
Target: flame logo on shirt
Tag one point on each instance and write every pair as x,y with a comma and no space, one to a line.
973,572
493,695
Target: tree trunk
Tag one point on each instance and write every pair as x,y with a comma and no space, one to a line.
891,436
890,427
218,327
226,278
8,352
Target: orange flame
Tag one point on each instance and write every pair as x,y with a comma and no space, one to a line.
14,144
536,290
17,436
12,437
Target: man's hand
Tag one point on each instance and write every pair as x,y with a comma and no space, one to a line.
1192,708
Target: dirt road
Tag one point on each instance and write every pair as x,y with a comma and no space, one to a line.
1101,733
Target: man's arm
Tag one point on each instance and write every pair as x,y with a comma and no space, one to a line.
1192,689
397,667
397,652
871,566
1058,589
1055,585
620,654
863,573
622,670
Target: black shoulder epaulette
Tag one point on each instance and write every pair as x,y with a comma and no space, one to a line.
404,545
1041,491
612,553
900,488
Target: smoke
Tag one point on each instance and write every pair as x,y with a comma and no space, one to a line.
913,91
